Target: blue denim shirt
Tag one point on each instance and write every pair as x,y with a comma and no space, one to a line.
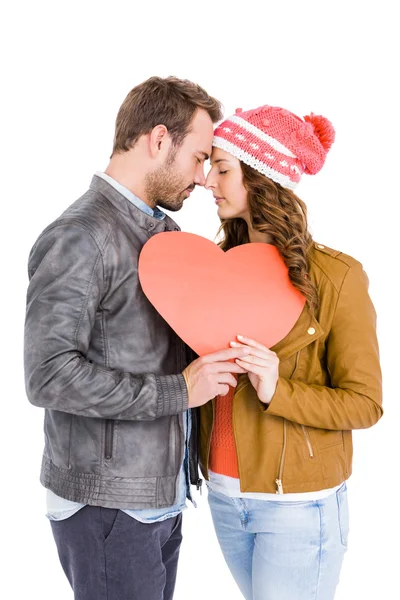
60,508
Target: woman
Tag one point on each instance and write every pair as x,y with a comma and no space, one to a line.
277,450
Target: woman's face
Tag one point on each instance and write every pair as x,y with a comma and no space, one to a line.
225,180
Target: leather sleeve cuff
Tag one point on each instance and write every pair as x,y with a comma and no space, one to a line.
172,395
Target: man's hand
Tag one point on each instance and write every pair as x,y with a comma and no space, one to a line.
212,374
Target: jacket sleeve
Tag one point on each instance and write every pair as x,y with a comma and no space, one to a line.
354,399
64,293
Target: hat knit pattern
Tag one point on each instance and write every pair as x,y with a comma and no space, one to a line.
276,142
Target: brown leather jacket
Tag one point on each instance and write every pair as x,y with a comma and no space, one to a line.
329,383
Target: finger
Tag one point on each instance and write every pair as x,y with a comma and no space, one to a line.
251,342
227,378
222,390
259,362
224,367
224,355
265,353
259,371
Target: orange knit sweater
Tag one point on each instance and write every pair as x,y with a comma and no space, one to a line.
223,457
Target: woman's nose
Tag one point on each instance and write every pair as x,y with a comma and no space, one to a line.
209,183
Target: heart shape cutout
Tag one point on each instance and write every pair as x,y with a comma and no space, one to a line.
209,296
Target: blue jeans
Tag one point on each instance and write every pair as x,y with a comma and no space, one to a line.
283,550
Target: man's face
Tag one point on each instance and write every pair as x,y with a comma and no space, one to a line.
172,183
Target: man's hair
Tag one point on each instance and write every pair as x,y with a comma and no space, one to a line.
171,102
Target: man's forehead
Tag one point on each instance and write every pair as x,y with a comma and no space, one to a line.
201,133
202,124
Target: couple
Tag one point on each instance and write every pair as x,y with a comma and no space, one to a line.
130,411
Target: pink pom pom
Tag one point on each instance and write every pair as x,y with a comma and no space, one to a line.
323,129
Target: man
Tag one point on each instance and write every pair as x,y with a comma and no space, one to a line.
114,379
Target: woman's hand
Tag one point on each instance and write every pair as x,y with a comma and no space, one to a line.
262,366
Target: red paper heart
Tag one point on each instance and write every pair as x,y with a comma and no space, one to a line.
209,296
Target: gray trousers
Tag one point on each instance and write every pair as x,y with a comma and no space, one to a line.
107,555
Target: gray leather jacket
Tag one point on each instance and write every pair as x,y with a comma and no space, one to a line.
101,361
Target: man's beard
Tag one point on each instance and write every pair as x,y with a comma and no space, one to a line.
166,187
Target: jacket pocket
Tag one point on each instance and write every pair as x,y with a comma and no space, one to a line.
326,438
308,441
109,439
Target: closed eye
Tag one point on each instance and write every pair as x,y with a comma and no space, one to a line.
223,172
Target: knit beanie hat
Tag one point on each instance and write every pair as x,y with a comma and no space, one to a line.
276,142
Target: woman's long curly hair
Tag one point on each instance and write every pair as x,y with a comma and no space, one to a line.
278,212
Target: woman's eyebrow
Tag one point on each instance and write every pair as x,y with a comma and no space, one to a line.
219,160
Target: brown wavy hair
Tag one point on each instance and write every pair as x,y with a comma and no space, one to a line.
278,212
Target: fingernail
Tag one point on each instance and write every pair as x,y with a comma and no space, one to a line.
240,337
234,344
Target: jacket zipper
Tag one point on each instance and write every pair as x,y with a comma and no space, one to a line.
109,439
279,486
234,435
210,436
310,448
278,481
195,431
193,451
186,357
296,364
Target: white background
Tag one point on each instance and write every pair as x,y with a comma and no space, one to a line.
66,68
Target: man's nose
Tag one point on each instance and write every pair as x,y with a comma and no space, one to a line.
200,177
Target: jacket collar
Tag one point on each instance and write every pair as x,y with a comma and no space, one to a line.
305,331
122,204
